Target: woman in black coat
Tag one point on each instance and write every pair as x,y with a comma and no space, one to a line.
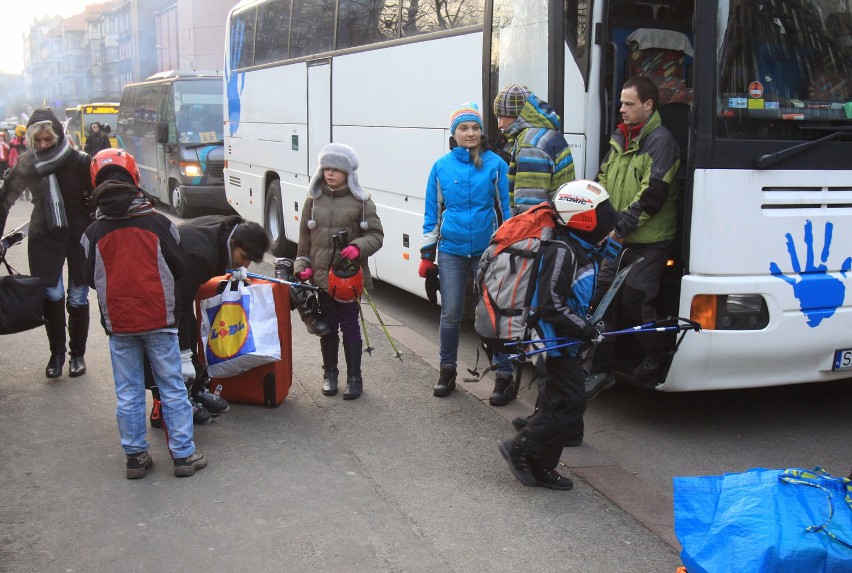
96,140
59,178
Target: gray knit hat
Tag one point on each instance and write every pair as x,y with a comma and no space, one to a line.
511,100
341,157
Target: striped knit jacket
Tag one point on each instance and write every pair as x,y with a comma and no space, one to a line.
541,159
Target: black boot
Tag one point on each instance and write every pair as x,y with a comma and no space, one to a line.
329,346
78,333
54,324
354,383
505,390
446,383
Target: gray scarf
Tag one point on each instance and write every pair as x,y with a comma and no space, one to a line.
46,164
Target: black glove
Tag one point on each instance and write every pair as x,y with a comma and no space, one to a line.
433,284
591,334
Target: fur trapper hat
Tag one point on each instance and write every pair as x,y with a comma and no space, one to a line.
343,158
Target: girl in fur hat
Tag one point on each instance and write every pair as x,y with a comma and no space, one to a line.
337,205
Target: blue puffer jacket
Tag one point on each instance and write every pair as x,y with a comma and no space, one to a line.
464,205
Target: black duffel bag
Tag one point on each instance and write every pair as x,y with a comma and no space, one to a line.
21,302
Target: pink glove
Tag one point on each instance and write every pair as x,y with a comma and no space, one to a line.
351,252
425,266
306,274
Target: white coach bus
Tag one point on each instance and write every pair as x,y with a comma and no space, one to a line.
757,92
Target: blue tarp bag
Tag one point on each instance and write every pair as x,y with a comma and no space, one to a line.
761,521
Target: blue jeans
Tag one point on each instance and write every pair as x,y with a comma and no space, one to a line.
126,352
454,271
77,295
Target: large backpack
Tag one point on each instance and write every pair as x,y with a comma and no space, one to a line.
507,276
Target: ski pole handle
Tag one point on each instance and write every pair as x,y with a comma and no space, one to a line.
279,281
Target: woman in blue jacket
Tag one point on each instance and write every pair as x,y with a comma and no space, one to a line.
467,197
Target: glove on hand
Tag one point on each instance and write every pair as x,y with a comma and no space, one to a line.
239,274
351,252
187,369
306,274
425,266
592,334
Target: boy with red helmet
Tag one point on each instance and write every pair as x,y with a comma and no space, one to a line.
133,259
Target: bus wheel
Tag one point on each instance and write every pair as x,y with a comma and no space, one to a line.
178,204
274,219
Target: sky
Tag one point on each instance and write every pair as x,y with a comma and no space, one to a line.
17,16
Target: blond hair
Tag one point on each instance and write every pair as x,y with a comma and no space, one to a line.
38,127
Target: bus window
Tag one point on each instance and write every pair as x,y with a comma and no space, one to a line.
273,32
423,17
312,27
359,23
242,38
198,111
577,32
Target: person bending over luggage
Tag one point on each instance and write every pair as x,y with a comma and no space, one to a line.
211,245
133,258
467,198
339,231
564,289
59,179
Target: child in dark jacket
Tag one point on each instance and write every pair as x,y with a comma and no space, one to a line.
337,206
133,258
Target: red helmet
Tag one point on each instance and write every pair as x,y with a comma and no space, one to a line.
347,283
109,159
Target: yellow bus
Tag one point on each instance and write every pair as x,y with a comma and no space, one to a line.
80,118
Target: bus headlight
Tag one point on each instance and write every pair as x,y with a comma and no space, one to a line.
730,311
190,169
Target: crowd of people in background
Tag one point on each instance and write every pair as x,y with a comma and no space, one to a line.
92,198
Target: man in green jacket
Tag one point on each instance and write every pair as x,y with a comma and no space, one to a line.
639,173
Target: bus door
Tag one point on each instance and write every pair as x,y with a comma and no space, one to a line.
167,152
319,110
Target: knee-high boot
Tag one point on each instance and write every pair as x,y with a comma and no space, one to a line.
54,324
78,333
329,346
354,383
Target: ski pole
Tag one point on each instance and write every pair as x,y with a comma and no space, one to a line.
523,355
368,349
274,280
397,353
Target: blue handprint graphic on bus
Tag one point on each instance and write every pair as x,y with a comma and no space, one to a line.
818,293
235,81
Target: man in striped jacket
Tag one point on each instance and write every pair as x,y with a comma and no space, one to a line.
541,160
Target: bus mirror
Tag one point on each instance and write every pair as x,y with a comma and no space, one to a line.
162,132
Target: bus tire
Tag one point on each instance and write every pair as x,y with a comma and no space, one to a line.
180,207
273,219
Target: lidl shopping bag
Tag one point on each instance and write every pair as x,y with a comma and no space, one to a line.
790,521
239,329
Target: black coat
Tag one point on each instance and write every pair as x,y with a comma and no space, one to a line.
96,142
48,250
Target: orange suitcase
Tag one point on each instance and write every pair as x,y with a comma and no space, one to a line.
266,385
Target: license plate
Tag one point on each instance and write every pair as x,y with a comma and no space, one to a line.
842,359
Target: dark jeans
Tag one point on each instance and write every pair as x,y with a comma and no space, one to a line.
561,408
342,316
635,303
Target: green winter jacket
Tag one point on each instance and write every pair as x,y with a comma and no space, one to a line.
541,159
641,182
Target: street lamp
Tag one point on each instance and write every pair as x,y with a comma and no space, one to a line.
178,54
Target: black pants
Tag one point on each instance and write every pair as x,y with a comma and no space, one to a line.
635,303
561,408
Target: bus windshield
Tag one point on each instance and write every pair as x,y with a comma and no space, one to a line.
784,68
198,111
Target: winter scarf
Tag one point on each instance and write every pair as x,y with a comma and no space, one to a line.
46,164
116,200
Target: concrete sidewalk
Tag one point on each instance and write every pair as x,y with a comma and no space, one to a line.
395,481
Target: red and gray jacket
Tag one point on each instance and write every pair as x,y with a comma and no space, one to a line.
132,260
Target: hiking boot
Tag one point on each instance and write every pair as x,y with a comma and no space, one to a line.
185,467
649,368
520,422
156,415
518,462
200,415
446,383
597,383
138,464
505,390
212,403
552,479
